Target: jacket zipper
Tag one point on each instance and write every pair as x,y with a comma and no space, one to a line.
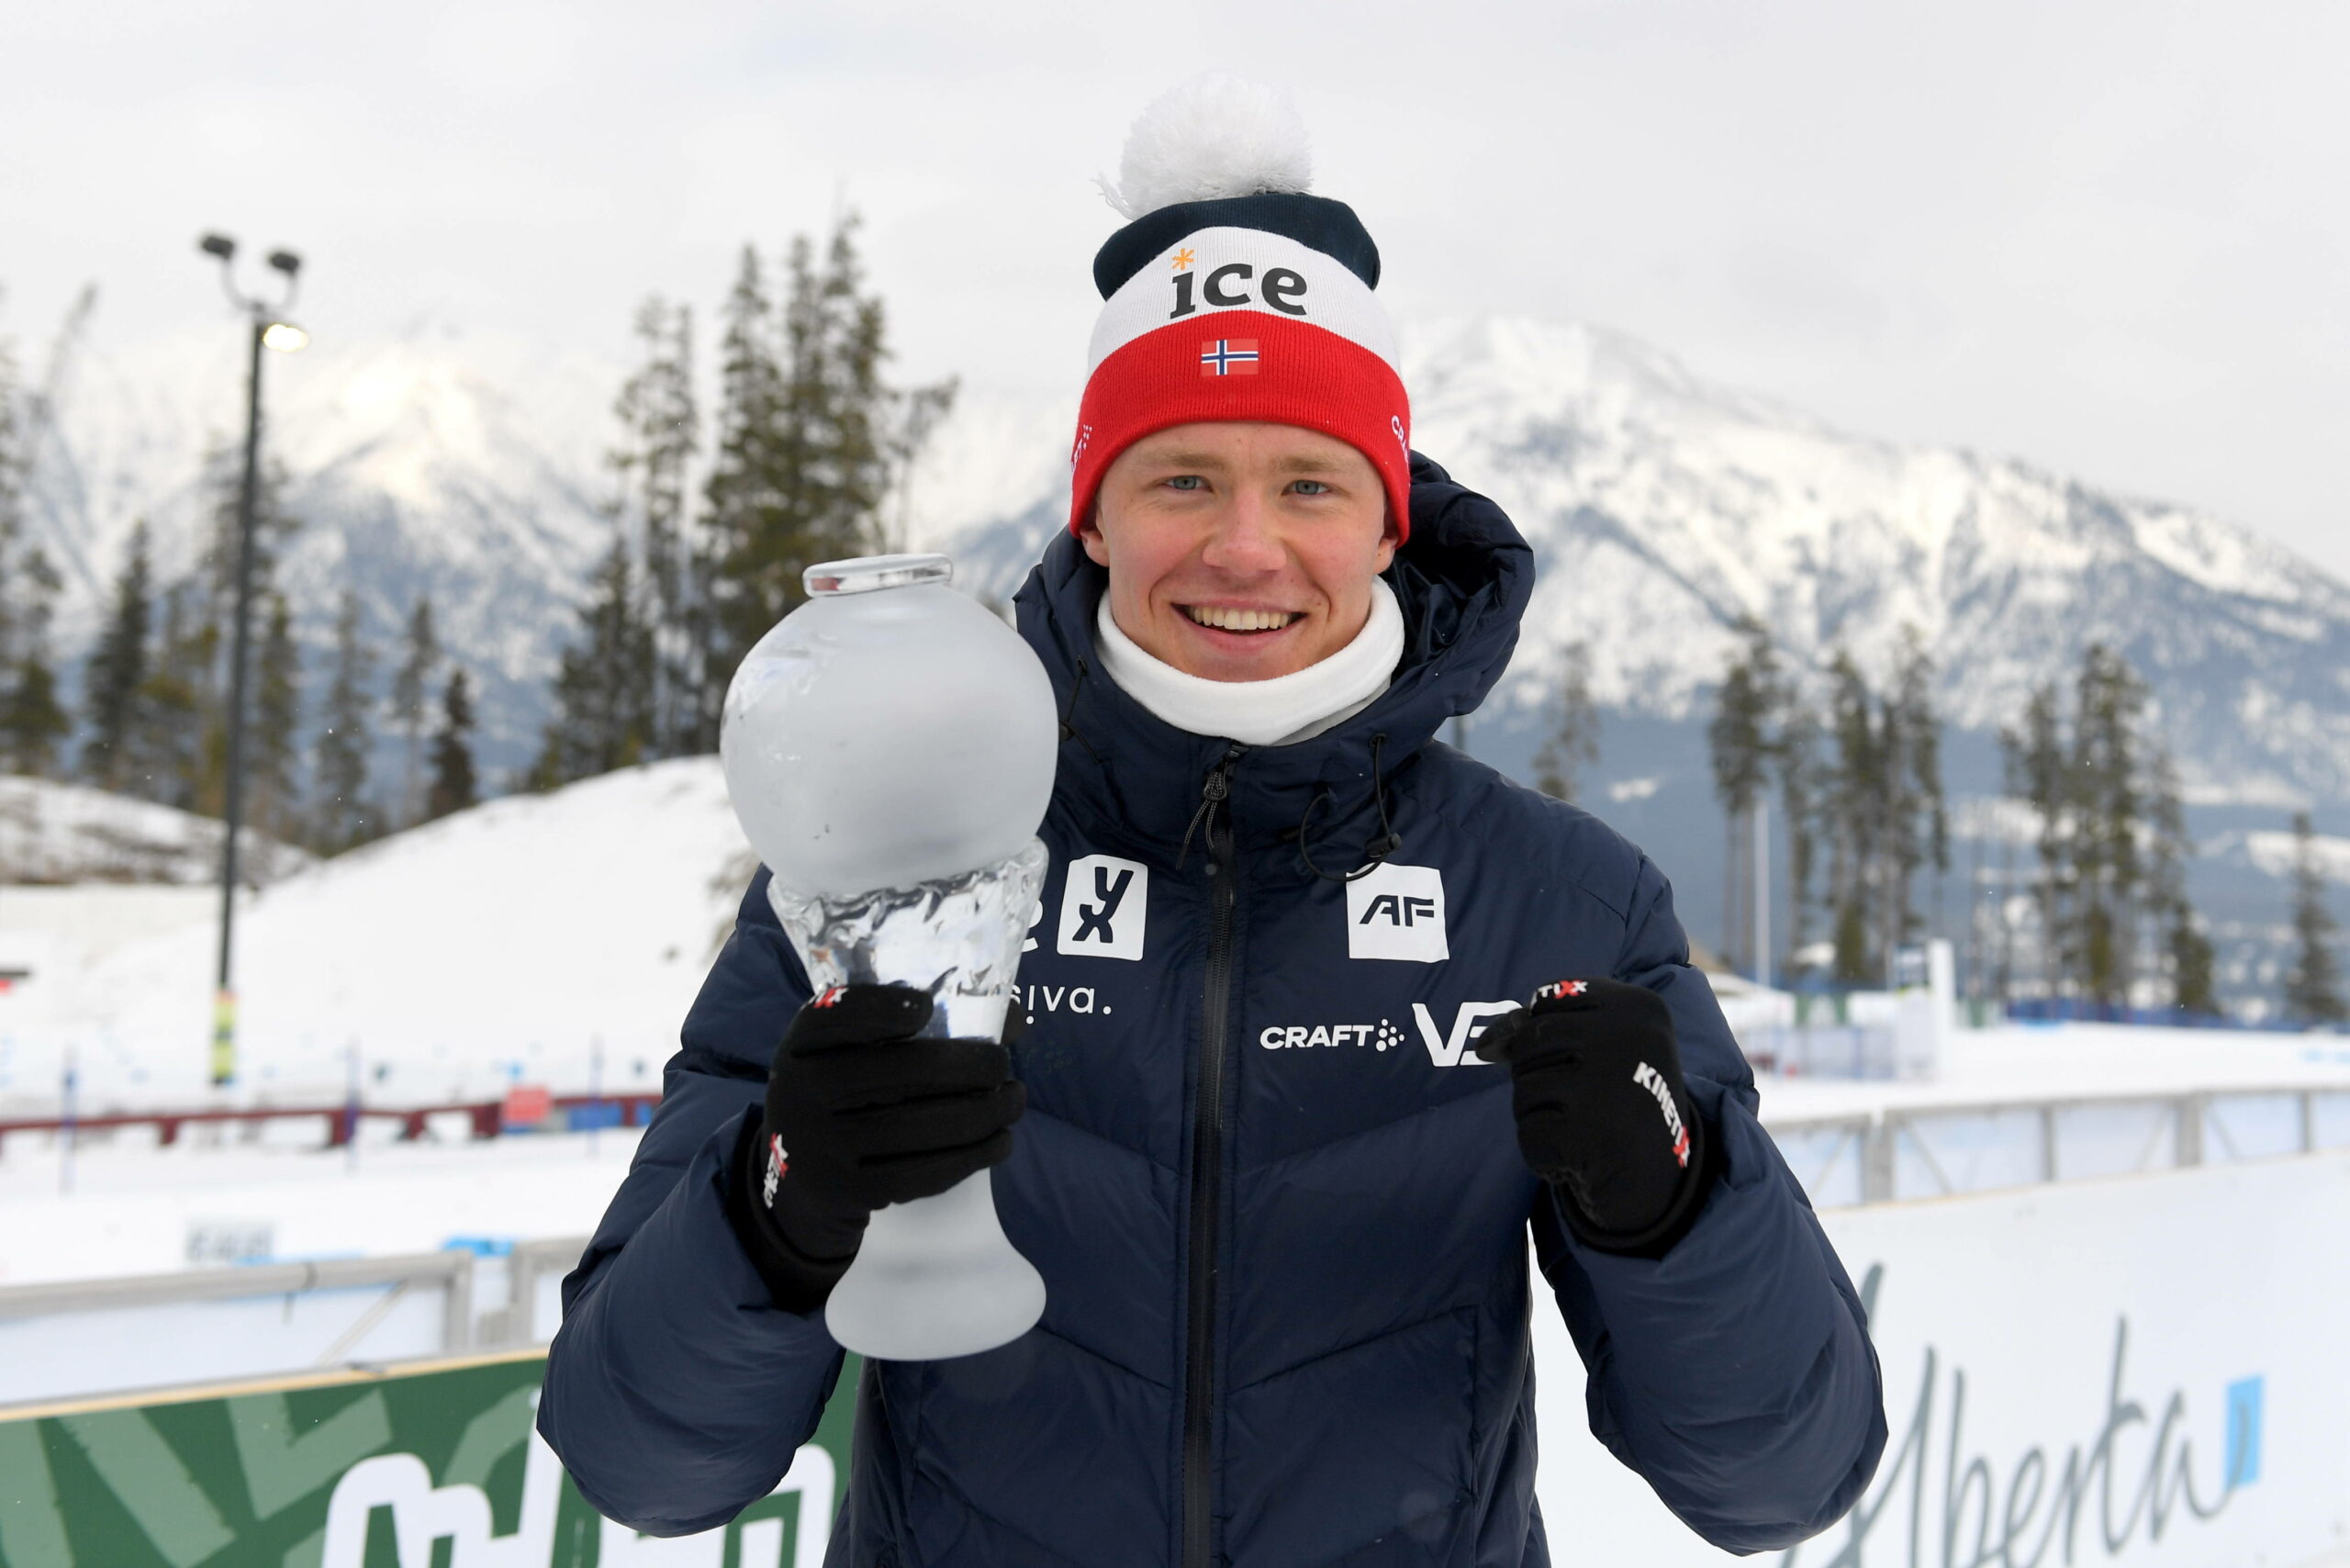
1207,1182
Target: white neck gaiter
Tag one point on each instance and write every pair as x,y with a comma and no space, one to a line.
1281,712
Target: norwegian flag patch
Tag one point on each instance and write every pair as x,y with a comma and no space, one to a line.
1229,356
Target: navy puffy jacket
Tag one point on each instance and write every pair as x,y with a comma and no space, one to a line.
1278,1207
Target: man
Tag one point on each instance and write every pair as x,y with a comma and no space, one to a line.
1278,1122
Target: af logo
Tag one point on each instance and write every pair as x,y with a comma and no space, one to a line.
1104,906
1397,912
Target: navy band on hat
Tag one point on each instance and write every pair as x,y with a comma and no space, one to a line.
1327,225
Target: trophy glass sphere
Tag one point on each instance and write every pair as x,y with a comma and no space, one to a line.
888,747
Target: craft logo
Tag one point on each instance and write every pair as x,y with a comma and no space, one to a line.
1104,903
1446,1047
1397,912
1382,1035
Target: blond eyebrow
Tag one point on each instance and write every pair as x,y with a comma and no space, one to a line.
1184,460
1210,460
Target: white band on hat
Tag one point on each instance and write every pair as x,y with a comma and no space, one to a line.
1243,269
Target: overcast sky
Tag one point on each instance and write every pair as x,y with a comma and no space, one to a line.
2109,236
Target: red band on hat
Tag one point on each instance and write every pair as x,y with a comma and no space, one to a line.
1230,366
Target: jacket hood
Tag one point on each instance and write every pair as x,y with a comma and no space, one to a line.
1463,582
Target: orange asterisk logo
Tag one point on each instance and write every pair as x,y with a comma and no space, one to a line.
1183,260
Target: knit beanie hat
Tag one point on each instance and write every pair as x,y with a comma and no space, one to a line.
1232,293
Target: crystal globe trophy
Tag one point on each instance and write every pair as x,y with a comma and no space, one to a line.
888,747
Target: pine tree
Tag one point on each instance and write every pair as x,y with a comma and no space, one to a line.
1573,744
1855,806
32,721
453,758
411,693
603,695
1739,738
2110,894
209,608
660,426
1916,825
1801,790
171,760
118,670
344,816
273,790
807,432
273,527
33,724
2108,876
2037,770
2185,951
2313,986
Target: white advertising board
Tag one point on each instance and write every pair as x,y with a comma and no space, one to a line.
2143,1371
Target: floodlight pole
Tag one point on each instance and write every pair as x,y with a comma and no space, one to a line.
259,318
224,996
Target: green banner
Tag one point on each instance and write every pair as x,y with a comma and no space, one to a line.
434,1467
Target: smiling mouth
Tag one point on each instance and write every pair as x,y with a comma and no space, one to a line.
1223,620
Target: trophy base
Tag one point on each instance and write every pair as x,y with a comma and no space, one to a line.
936,1279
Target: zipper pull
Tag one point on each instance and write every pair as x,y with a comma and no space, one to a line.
1212,793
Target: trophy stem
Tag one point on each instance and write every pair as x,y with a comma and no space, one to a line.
936,1277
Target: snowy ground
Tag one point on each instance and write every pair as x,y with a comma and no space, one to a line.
2027,1062
67,833
523,939
135,1209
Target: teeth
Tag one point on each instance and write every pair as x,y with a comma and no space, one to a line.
1239,620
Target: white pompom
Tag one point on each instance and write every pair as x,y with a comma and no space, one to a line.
1216,136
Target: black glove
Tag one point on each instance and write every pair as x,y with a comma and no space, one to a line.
861,1113
1603,1114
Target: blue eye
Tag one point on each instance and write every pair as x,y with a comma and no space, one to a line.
1310,487
1186,482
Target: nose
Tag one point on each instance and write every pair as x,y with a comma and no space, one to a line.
1246,542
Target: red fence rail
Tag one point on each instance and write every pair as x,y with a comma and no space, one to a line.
489,1117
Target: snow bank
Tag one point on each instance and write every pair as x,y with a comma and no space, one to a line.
68,832
520,939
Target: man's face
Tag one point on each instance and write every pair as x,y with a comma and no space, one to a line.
1240,552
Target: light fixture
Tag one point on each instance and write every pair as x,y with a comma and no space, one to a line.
285,337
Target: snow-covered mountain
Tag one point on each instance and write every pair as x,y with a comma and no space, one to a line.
461,466
1662,509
